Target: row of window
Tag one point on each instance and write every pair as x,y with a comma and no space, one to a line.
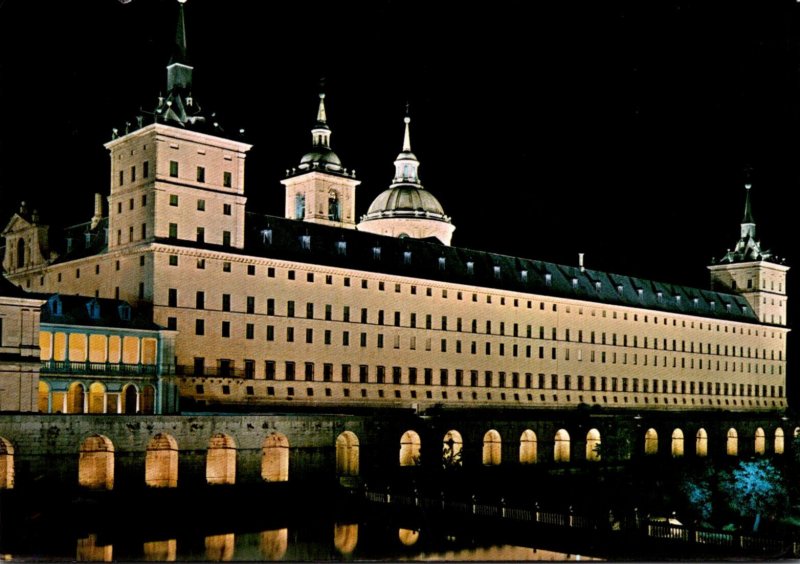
200,174
200,237
145,174
174,199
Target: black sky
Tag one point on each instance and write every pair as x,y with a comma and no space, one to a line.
618,129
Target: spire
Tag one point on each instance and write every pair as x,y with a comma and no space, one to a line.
406,164
407,136
179,71
748,211
321,133
322,119
747,248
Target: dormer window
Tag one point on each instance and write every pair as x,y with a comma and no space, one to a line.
470,267
441,263
677,298
124,312
598,285
305,242
341,247
376,253
548,279
93,308
523,275
56,306
266,236
406,257
695,301
496,272
713,304
728,307
640,292
574,283
660,296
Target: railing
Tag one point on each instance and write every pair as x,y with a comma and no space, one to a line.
73,367
648,528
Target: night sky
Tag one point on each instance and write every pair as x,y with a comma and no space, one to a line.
621,130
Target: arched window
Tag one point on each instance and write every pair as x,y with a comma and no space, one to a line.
701,443
87,550
677,443
651,442
451,449
44,397
148,402
561,449
761,441
334,207
492,448
161,462
220,548
221,460
6,464
273,544
97,398
20,252
779,445
732,446
96,463
130,399
593,445
75,398
275,458
408,537
299,206
527,447
161,551
347,454
345,537
410,449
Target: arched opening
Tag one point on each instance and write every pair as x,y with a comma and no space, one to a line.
44,397
220,548
701,443
87,550
561,448
593,445
20,252
651,442
96,463
275,458
452,449
97,397
732,444
761,441
6,464
161,462
779,443
273,544
677,443
347,454
75,398
161,551
130,399
492,448
527,447
410,445
345,537
221,460
408,537
148,400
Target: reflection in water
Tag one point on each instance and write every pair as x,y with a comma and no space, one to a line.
89,551
408,537
161,551
220,547
274,544
345,537
501,553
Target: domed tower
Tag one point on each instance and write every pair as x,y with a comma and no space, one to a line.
320,189
753,272
406,209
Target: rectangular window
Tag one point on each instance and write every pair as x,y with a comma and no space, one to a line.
251,304
173,260
345,338
226,302
199,327
173,230
145,170
133,173
201,234
226,238
289,371
270,306
346,373
290,308
269,370
249,331
270,332
363,373
121,178
227,179
249,368
309,335
201,205
309,371
201,174
173,169
226,209
172,297
309,310
200,300
226,328
290,334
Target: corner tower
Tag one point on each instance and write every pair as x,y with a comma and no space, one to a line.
406,209
320,189
753,272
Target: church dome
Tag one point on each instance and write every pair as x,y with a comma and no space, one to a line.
405,200
321,155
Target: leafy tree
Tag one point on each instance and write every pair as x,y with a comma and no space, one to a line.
451,456
698,487
754,488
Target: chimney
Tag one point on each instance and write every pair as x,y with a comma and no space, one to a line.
98,210
580,261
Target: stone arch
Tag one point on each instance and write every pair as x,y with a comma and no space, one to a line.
96,463
410,445
528,447
347,456
273,544
492,448
6,464
97,397
651,441
161,462
593,445
44,397
130,399
221,460
561,448
760,446
701,443
677,443
76,398
275,458
408,537
452,449
345,537
732,442
779,441
148,400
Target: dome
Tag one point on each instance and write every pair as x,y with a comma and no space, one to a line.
405,200
321,155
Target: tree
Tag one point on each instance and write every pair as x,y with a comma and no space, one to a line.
754,488
698,487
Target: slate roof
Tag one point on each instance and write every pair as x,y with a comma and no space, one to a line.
75,311
280,238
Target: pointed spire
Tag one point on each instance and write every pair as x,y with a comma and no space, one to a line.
322,119
406,163
179,49
179,71
407,136
748,211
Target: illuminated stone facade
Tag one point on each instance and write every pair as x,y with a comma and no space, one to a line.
279,311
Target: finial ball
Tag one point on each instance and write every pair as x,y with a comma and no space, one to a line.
748,186
181,1
321,95
407,119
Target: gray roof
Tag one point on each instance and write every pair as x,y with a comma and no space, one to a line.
75,310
